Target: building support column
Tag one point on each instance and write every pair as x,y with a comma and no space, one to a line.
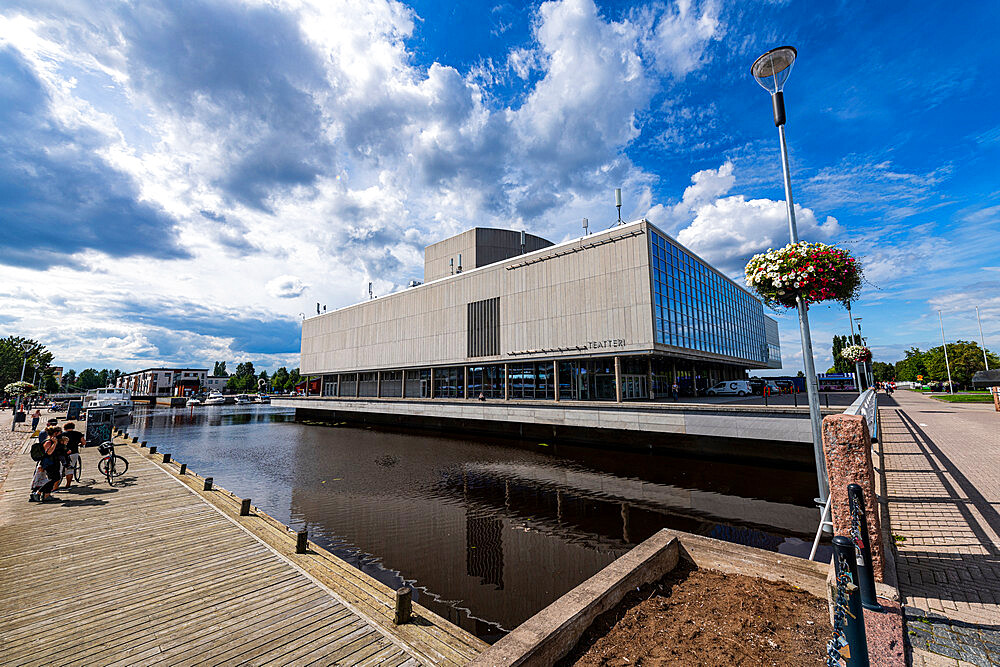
555,379
618,379
402,390
307,386
339,376
649,380
465,383
430,390
506,384
378,384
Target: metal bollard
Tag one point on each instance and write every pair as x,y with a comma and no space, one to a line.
208,483
795,396
142,444
245,507
152,450
302,542
135,439
166,458
863,558
844,554
184,469
404,605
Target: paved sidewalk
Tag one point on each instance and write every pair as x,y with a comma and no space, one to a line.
942,468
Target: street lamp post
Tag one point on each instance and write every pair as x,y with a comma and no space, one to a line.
982,340
947,364
771,70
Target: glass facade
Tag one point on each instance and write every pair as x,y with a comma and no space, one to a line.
696,308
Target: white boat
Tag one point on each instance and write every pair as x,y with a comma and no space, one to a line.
194,401
108,398
243,398
215,398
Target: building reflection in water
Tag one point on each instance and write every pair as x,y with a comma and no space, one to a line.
486,533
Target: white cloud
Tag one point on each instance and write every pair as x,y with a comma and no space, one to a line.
286,287
681,35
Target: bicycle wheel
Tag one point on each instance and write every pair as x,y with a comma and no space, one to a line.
105,466
118,466
77,469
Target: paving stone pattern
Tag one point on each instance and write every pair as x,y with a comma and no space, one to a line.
942,468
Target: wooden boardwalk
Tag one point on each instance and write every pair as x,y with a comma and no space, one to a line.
153,571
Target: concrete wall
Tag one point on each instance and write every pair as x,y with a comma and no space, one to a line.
478,247
583,295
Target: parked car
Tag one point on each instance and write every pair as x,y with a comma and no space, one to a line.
730,388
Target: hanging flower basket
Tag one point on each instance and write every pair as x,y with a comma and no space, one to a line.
856,353
18,388
813,271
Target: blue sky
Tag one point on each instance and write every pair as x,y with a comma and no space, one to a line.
181,179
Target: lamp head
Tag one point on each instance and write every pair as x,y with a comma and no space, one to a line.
771,70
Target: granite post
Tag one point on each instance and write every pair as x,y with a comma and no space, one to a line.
847,446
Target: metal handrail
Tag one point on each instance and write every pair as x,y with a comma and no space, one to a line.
866,405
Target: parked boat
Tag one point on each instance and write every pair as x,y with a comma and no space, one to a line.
107,398
215,398
243,398
195,401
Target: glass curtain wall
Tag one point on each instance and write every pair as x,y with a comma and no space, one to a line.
530,380
392,383
486,380
449,382
367,384
349,384
696,308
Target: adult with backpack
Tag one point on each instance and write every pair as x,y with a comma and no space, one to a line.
46,453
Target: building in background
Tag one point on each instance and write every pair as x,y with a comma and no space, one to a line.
164,381
618,315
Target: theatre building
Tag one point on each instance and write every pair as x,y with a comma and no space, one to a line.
618,315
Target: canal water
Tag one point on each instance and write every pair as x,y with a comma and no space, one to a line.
487,533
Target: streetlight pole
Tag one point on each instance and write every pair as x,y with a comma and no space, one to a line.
982,340
947,364
771,70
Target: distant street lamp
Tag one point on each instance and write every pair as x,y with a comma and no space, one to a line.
951,389
982,340
771,70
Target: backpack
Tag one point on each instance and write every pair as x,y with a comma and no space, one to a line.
37,451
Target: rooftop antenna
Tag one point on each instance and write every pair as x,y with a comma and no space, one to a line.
370,290
324,307
317,307
459,262
618,203
586,223
523,240
451,265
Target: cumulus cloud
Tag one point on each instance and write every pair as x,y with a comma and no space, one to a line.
681,34
286,287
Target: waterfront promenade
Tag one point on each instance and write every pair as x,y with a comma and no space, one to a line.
153,572
942,469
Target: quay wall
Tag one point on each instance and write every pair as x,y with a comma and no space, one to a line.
768,435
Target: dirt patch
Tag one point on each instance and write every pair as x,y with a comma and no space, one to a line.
694,616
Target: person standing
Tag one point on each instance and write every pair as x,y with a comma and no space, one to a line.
75,440
51,466
36,416
675,391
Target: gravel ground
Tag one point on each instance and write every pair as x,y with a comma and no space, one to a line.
10,443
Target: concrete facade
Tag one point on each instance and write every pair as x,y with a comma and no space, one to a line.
585,298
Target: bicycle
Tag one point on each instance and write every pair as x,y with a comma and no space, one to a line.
112,465
77,469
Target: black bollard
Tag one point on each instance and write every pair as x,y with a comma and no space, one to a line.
166,458
152,450
135,439
795,396
863,559
302,542
404,605
844,555
184,469
208,483
245,507
142,444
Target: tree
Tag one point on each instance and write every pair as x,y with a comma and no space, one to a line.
293,379
883,372
244,380
69,378
12,350
104,376
840,364
220,370
89,379
912,365
267,381
280,378
50,384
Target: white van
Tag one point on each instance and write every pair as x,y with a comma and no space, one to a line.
730,388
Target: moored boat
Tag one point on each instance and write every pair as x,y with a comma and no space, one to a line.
215,398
